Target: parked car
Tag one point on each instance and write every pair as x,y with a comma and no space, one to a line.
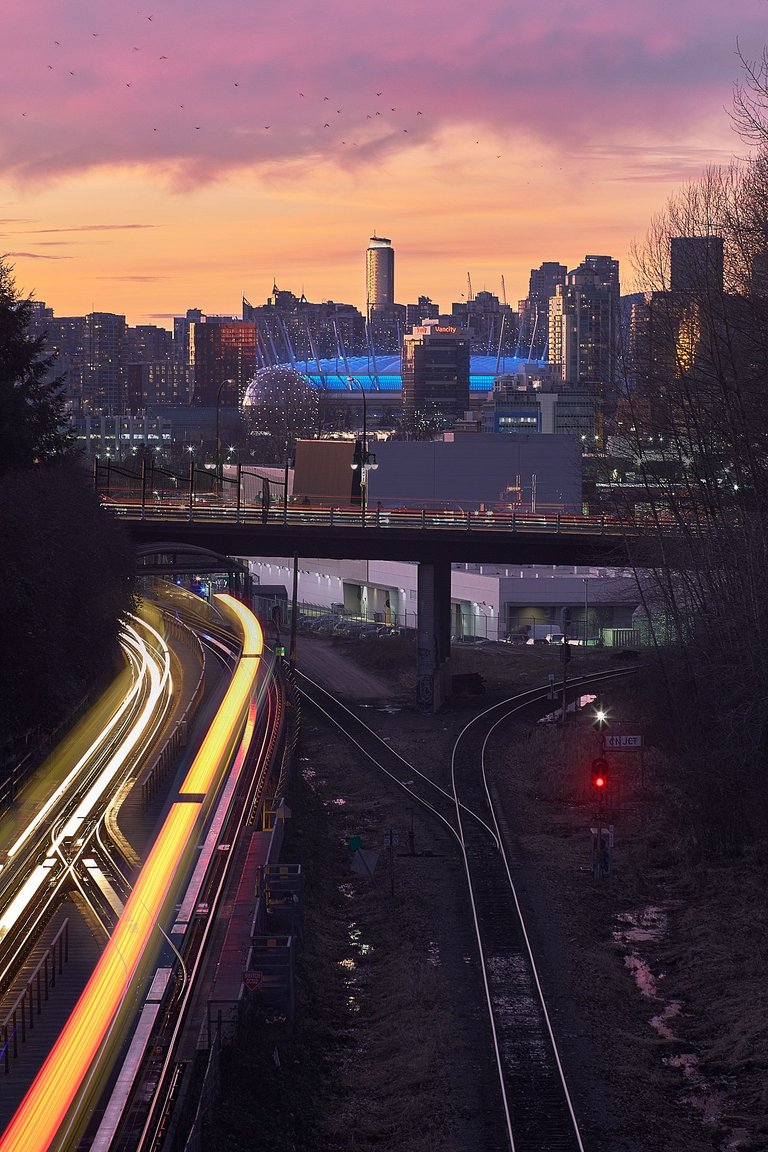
536,634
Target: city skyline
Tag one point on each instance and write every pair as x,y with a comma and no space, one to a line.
159,160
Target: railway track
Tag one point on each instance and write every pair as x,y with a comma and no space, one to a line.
535,1110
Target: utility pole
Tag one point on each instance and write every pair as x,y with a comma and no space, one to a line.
565,653
294,613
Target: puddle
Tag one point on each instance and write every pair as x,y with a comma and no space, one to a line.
639,929
355,938
311,778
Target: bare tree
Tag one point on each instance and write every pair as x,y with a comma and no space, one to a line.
696,397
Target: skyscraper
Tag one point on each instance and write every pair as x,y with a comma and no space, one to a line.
584,325
534,310
225,358
379,274
696,264
435,368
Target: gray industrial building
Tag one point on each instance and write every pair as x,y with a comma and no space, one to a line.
470,470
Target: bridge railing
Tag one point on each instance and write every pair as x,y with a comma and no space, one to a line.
210,509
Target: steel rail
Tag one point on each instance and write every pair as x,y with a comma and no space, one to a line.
536,1125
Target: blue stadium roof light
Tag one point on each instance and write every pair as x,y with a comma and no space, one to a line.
333,375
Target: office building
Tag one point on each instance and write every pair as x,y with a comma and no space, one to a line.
224,354
696,264
539,402
435,372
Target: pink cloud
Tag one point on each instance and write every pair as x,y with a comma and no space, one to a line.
195,92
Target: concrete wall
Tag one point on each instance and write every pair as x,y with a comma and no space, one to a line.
488,600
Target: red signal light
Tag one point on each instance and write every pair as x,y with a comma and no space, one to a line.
600,774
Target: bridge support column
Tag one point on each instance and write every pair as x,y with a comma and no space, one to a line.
433,636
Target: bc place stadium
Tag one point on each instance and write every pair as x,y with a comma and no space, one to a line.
382,373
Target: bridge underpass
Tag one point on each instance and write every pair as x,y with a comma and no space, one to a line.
433,549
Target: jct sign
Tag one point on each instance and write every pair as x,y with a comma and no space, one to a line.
617,743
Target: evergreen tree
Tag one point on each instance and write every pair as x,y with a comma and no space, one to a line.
32,421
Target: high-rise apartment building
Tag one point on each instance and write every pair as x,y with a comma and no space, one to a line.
584,325
421,311
534,309
379,274
292,328
104,378
492,326
435,373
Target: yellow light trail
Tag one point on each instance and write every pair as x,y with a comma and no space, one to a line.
44,1108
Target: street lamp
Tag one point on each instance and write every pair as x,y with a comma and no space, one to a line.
217,485
586,607
366,461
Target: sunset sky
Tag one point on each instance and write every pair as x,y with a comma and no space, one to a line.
171,156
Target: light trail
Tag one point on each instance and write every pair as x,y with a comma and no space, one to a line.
159,684
157,674
44,1109
131,638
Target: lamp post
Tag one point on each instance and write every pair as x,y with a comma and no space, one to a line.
217,482
367,462
586,607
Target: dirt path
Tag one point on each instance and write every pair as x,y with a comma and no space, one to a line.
330,666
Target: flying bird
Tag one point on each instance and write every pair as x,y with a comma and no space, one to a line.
419,113
301,93
326,125
267,126
162,57
326,97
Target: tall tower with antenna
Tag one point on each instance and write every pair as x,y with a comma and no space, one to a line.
379,274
